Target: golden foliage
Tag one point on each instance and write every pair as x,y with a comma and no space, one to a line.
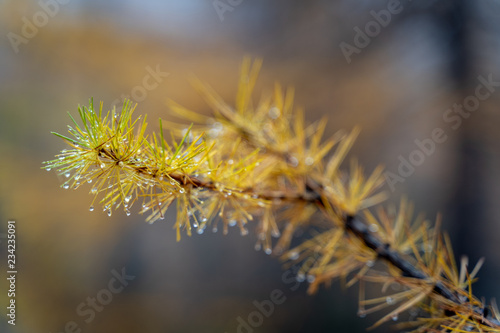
263,162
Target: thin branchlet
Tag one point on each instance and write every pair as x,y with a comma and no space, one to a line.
263,163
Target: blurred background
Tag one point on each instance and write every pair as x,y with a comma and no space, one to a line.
396,68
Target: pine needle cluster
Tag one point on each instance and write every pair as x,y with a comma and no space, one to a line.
261,163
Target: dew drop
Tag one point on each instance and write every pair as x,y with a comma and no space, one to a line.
294,161
89,180
309,160
275,233
91,208
232,223
395,286
204,219
230,162
244,232
370,263
121,164
268,250
300,277
66,186
373,227
93,190
395,317
109,212
128,197
103,165
274,112
311,278
294,255
218,126
361,314
214,229
200,231
390,300
182,190
257,247
67,174
127,212
48,169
